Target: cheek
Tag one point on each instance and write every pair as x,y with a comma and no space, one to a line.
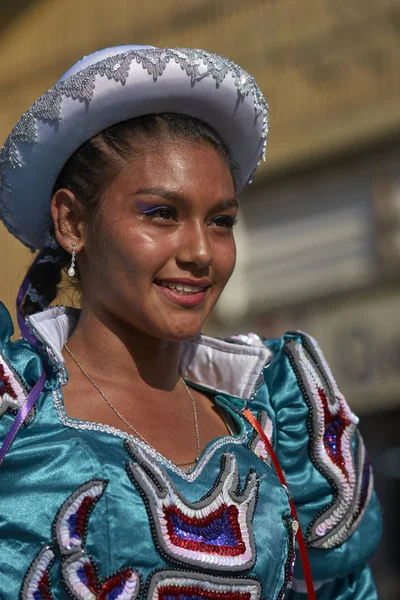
225,259
140,252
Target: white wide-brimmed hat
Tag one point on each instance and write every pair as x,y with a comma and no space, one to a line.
114,85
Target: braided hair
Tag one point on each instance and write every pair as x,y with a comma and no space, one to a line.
90,170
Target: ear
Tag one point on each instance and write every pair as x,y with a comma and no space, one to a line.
67,215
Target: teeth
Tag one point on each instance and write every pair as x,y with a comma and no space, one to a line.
182,288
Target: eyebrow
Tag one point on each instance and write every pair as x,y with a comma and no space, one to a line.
174,195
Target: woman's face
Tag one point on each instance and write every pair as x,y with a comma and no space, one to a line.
164,249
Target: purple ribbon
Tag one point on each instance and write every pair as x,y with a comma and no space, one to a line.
20,297
22,415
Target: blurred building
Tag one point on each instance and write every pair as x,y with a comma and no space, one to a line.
319,234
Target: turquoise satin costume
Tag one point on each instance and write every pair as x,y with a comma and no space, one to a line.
89,512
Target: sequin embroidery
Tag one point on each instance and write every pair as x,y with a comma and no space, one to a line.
36,584
81,579
70,525
215,532
291,527
78,569
333,429
256,444
12,391
175,585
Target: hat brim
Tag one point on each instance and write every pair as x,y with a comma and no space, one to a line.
116,87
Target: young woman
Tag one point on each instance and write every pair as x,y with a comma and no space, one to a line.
141,458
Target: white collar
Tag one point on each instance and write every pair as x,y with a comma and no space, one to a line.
226,367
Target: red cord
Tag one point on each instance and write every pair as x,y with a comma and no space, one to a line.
299,535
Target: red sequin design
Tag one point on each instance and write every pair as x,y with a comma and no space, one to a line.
91,579
82,514
177,592
198,546
335,424
44,587
5,385
114,582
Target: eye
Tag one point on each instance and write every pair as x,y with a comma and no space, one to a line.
225,221
161,212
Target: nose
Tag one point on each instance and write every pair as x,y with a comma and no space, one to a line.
195,247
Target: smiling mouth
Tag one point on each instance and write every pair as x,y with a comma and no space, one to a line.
181,288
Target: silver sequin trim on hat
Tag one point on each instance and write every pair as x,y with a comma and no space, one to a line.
187,476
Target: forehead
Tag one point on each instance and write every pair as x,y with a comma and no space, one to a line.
192,169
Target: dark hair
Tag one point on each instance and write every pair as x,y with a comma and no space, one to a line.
89,171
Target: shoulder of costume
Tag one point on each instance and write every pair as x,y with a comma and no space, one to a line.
316,438
20,367
287,349
277,350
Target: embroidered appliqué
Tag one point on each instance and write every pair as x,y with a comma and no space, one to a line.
12,392
256,444
332,428
81,579
36,584
215,532
291,527
70,525
78,569
175,585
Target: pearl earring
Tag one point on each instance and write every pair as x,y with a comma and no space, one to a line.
71,270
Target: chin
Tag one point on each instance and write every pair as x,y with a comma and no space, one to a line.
181,330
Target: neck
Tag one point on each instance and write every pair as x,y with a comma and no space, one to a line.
107,345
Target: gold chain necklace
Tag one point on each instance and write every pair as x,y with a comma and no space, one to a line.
129,425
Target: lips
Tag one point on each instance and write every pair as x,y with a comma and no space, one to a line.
186,292
182,287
